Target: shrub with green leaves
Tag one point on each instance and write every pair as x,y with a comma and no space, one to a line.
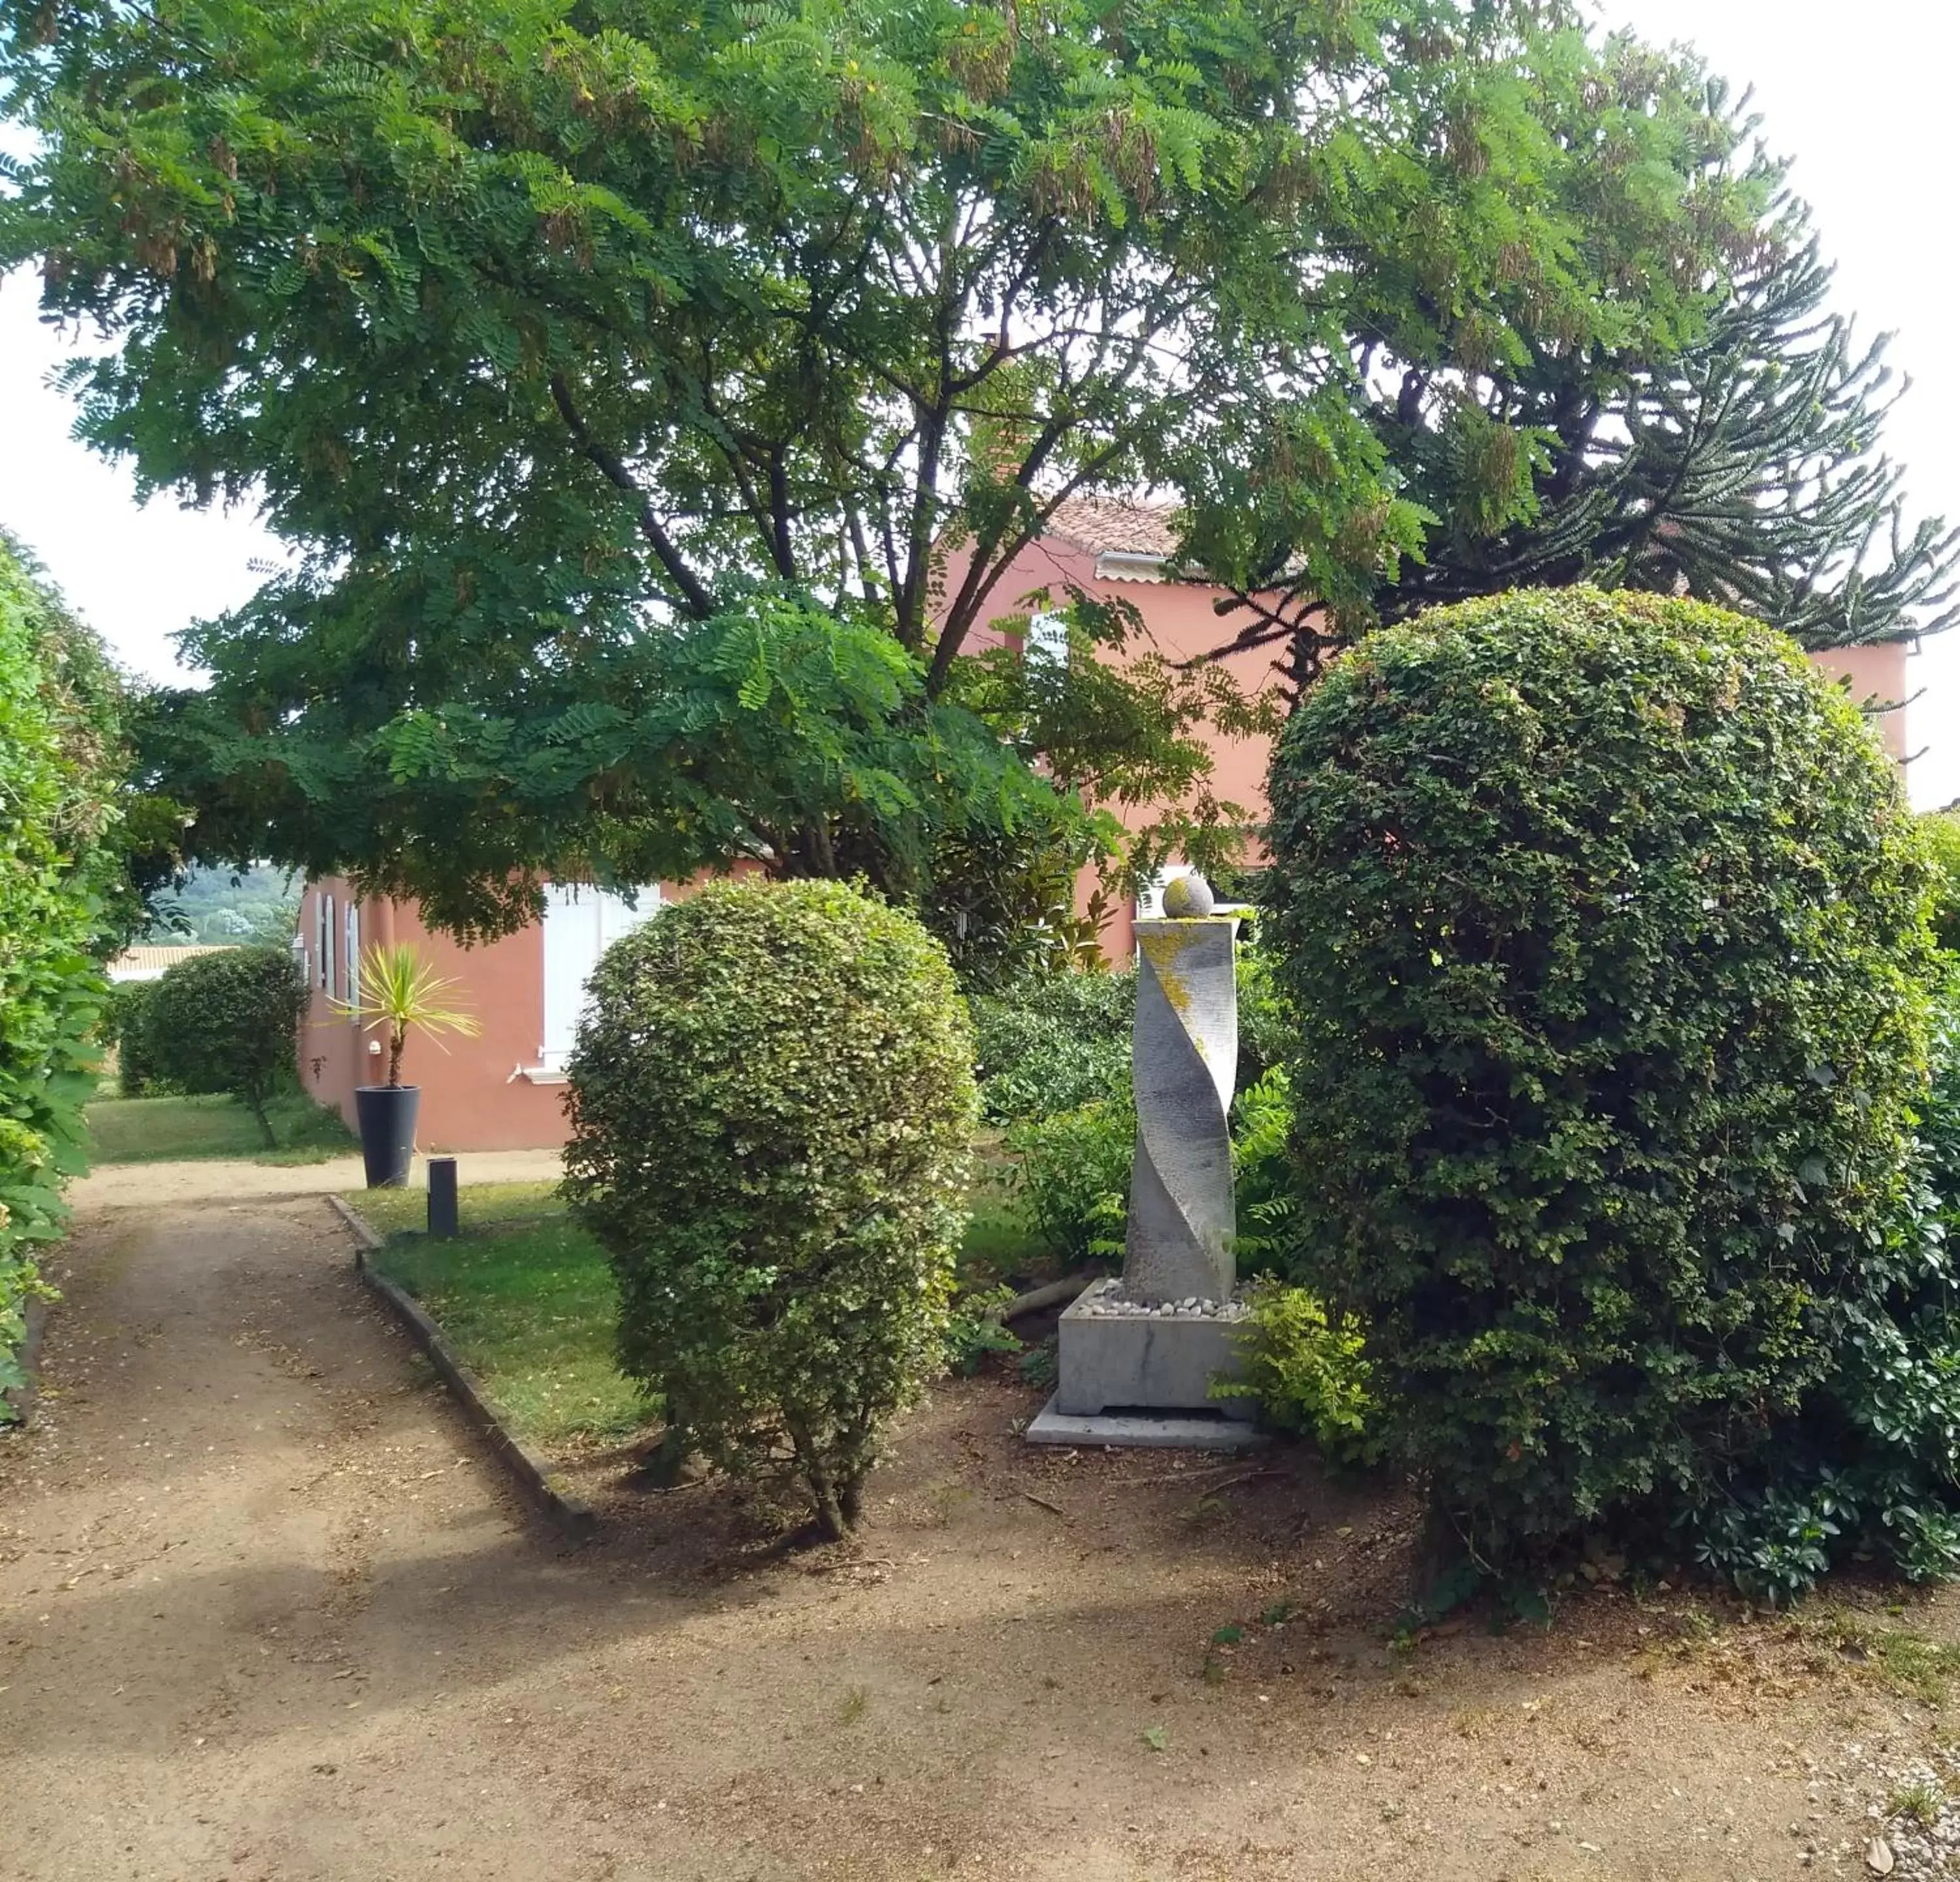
60,747
1940,829
772,1107
1308,1373
125,1026
1265,1034
229,1022
1053,1042
1072,1176
1602,920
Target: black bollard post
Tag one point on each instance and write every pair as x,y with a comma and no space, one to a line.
442,1197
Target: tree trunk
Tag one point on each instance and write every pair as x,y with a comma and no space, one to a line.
257,1106
663,1466
833,1522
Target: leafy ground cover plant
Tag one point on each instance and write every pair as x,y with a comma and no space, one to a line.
772,1112
1602,919
1307,1372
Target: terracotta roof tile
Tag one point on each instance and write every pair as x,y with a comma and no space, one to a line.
1119,526
154,960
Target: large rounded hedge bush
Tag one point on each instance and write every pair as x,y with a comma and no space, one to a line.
1602,918
772,1107
225,1021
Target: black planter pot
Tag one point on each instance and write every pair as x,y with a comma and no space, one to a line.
387,1116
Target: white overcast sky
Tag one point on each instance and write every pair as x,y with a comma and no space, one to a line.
1860,99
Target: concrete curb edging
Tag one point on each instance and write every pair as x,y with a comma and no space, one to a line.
21,1401
533,1475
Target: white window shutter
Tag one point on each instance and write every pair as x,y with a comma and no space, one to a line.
580,923
327,978
354,955
319,908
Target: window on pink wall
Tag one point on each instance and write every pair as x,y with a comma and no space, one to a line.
319,907
327,977
352,969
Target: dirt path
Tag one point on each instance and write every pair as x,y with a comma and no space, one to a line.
265,1613
147,1185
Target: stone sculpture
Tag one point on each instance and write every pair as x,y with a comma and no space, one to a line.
1154,1341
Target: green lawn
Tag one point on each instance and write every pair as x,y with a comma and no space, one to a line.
152,1130
526,1299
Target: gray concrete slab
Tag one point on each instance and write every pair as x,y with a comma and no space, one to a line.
1144,1431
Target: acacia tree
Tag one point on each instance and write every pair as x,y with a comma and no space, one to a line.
627,378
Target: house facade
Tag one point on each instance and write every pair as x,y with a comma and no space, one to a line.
1113,551
504,1090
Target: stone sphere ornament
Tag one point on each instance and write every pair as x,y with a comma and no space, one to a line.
1188,899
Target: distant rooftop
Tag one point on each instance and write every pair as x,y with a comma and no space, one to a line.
148,963
1123,527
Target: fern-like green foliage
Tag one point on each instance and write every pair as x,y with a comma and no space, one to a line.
595,359
1308,1373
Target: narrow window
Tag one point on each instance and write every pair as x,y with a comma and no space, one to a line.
1048,639
354,955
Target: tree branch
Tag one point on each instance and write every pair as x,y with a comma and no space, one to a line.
700,603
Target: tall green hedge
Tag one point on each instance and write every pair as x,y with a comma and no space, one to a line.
772,1108
1940,829
58,744
1602,920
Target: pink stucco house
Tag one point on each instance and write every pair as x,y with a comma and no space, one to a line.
504,1090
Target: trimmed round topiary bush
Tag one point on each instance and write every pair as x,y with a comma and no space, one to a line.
772,1108
228,1021
1602,919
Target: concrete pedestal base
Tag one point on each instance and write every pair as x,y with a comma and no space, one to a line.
1155,1431
1135,1362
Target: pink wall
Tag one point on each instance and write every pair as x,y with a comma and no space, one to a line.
471,1100
1875,679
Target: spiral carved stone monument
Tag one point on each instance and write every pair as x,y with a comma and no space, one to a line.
1137,1357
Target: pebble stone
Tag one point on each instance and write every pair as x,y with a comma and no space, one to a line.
1107,1301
